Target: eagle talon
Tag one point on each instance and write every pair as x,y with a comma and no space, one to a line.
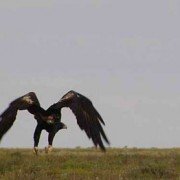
48,149
35,150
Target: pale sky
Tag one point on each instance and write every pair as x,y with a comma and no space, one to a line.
122,54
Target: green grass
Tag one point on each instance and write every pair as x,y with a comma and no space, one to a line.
90,164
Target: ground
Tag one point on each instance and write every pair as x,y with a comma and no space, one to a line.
90,163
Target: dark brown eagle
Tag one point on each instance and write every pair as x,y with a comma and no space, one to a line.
87,117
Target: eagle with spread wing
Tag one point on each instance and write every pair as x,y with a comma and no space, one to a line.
87,117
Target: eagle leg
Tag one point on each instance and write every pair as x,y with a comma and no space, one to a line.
37,134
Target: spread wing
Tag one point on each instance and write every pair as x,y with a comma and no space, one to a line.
87,116
27,102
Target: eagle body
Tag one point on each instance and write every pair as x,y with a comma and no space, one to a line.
88,118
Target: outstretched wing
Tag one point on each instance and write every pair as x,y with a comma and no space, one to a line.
27,102
87,116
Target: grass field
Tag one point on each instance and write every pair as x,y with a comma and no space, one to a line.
90,164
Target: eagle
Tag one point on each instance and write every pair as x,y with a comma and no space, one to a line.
87,117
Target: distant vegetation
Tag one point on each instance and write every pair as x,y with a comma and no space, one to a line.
90,164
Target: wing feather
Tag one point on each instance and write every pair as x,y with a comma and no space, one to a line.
27,102
87,116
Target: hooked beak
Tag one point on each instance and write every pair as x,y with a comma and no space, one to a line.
64,126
